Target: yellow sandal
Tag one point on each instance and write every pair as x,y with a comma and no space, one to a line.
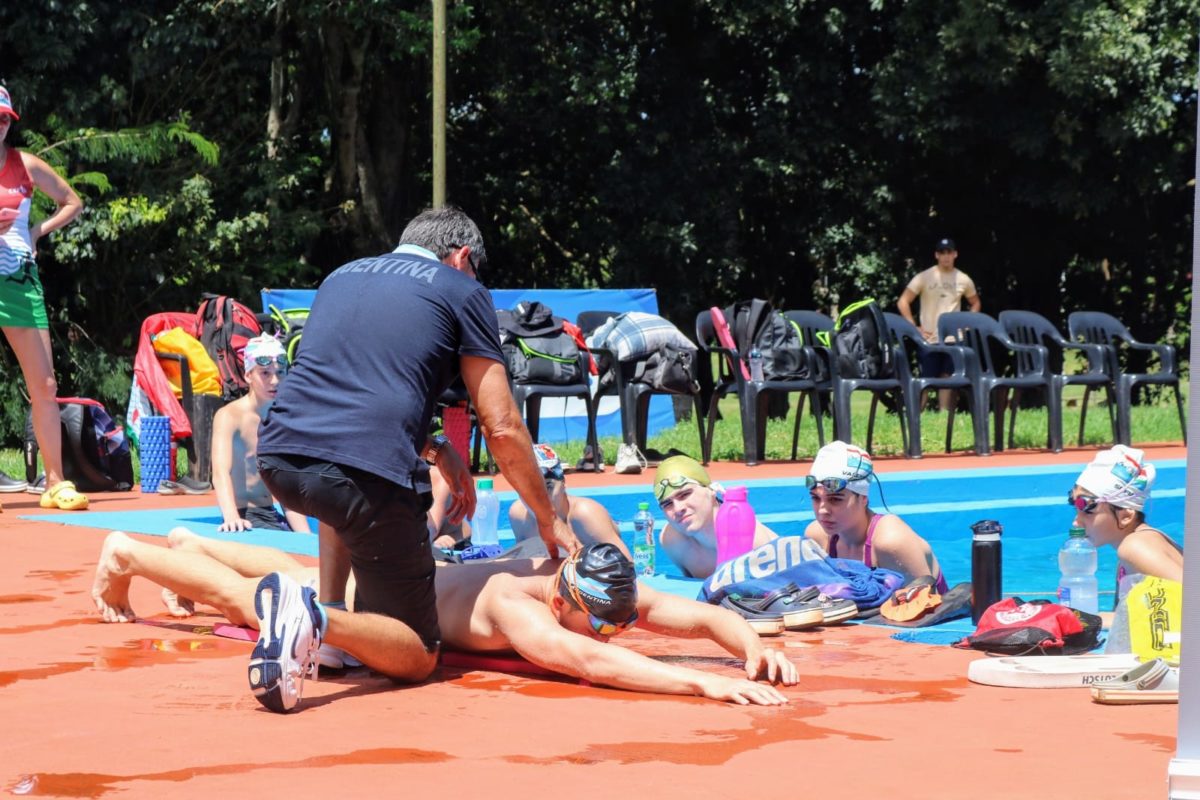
63,495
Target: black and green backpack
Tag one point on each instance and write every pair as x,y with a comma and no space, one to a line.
536,349
755,324
289,326
861,343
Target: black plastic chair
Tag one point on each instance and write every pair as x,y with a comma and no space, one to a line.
632,394
1028,371
912,345
813,322
1027,327
529,396
1096,327
753,396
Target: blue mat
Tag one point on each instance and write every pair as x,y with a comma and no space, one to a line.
202,520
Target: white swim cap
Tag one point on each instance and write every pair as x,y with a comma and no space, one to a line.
847,462
1119,476
263,347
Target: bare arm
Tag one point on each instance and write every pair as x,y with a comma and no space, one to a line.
975,303
224,429
904,306
689,619
535,634
1141,555
58,190
508,440
817,534
898,547
297,521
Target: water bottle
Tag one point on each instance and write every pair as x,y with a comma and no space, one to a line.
1078,588
485,538
643,540
756,364
986,573
735,525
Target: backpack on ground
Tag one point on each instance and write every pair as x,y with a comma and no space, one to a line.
861,343
225,327
95,452
536,349
756,324
289,328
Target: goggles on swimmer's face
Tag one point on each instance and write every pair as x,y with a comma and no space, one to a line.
599,625
1082,502
281,361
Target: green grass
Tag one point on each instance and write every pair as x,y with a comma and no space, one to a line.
1151,423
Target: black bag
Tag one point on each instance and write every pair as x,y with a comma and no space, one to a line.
536,349
288,324
95,452
861,342
225,327
669,369
756,324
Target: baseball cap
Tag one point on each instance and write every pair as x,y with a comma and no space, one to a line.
6,105
944,245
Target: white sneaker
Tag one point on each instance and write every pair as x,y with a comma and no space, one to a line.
289,635
331,657
630,460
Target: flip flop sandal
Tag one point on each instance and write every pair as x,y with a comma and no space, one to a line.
63,495
1152,682
800,609
764,624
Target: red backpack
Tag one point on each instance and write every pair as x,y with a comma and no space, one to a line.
1013,627
225,327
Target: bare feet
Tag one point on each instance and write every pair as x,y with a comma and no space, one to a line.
110,590
177,606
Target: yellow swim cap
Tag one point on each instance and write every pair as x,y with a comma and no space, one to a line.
675,473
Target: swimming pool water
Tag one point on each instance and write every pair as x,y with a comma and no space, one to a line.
1029,502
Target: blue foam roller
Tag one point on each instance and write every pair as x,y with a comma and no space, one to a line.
155,452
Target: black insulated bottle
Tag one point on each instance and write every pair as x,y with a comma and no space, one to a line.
985,566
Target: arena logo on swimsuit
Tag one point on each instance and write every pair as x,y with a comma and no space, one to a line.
420,270
764,561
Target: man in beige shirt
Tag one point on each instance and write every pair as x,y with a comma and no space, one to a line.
941,288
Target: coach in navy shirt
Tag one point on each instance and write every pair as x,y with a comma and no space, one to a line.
347,442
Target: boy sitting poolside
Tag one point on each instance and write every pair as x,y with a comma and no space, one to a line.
243,498
557,614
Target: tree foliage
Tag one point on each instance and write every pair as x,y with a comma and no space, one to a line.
807,151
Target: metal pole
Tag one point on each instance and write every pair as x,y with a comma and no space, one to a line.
1183,773
439,103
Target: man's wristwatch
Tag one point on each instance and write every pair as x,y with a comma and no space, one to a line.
432,448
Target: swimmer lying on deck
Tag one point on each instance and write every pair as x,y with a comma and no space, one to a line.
556,614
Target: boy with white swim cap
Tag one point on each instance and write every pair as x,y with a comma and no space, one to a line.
839,485
1109,498
244,500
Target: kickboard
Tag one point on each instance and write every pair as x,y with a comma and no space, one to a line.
1049,672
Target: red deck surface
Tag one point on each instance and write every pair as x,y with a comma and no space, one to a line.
139,710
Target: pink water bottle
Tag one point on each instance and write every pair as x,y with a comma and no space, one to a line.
735,525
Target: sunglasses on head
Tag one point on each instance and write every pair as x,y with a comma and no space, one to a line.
1082,502
833,485
266,361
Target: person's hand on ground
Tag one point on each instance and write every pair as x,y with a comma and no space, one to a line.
445,542
462,485
235,525
742,692
772,665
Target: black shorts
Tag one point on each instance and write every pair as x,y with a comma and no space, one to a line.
381,523
934,365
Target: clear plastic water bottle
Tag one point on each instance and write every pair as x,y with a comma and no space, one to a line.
735,524
1078,587
756,364
643,540
485,536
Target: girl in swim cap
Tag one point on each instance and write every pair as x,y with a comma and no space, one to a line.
1109,498
839,485
690,499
